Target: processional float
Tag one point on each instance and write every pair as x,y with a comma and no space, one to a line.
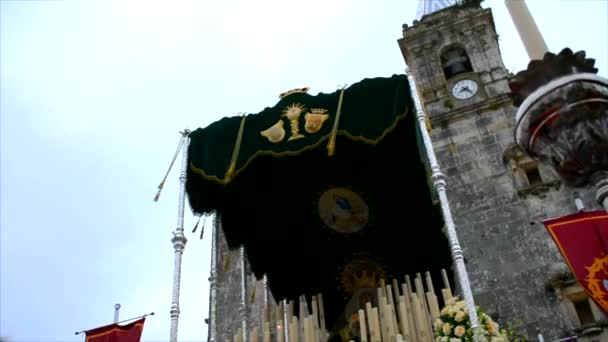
329,154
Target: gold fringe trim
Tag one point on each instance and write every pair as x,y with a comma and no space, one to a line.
331,145
344,133
235,153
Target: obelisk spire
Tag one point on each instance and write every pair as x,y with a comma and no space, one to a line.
526,28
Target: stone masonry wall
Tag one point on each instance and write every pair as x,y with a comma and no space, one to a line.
228,300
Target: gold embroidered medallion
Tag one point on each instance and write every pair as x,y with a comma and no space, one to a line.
343,210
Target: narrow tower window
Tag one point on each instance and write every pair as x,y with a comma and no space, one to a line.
455,61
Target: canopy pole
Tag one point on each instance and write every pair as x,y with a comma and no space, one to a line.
439,181
243,294
213,278
179,239
266,294
286,320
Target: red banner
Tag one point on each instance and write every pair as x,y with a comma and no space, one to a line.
117,333
582,239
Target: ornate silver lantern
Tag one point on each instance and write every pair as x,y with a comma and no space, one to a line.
562,118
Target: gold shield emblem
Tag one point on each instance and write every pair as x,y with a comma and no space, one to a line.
315,119
275,133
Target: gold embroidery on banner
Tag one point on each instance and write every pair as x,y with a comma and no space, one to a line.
322,140
315,119
292,113
596,280
276,132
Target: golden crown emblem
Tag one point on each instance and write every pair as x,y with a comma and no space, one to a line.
294,91
360,275
318,111
364,280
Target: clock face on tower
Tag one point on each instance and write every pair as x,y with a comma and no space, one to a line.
464,89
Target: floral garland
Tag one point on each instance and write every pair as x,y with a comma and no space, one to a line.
454,325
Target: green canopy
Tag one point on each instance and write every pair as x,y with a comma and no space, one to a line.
317,183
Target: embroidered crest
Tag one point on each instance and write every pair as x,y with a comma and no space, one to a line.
315,119
275,133
314,122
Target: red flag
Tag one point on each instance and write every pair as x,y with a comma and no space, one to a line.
117,333
582,239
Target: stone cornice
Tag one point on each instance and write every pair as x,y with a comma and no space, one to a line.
427,26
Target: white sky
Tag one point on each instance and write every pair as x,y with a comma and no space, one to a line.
93,94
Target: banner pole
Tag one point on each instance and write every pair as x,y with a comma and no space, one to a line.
243,308
179,239
439,181
116,312
212,336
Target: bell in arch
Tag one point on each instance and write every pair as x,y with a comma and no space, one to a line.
455,61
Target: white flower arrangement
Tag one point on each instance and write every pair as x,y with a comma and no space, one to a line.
453,324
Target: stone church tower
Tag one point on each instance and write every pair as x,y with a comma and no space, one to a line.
498,195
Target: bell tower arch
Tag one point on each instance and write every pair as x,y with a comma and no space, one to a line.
453,44
455,60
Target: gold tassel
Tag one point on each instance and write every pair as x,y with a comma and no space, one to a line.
429,127
196,225
160,188
331,145
255,285
162,183
235,153
227,262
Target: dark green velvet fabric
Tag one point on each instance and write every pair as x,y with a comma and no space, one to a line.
271,206
370,107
